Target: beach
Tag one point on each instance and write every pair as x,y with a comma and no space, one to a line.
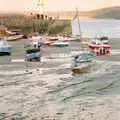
49,91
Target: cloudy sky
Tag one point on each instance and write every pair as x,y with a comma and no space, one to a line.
56,5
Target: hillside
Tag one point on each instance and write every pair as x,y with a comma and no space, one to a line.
110,13
113,12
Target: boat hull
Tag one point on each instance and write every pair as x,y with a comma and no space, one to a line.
85,67
82,62
83,70
34,55
14,38
5,53
60,44
100,50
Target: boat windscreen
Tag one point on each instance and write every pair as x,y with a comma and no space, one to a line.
104,38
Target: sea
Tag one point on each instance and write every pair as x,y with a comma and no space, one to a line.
48,90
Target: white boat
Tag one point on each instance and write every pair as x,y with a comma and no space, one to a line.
5,48
34,38
67,39
14,37
37,41
60,44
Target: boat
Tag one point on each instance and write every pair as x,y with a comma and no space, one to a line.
100,46
32,54
38,44
34,38
10,35
50,40
5,48
82,62
67,39
60,44
14,37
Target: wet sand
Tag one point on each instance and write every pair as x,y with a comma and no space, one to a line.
49,91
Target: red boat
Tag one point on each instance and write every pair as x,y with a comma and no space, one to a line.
101,47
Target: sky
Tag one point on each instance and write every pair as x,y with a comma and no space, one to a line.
56,5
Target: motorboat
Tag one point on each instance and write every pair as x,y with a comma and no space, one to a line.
100,46
82,62
5,48
33,54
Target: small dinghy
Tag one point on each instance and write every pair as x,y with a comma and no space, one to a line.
82,62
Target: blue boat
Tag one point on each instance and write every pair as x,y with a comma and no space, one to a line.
83,62
33,54
5,48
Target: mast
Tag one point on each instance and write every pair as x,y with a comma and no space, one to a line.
79,27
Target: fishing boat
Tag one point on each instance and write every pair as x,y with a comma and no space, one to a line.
5,48
82,62
60,44
100,46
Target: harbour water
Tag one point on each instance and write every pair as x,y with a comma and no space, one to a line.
49,91
100,27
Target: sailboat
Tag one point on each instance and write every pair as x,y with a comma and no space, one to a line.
82,61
